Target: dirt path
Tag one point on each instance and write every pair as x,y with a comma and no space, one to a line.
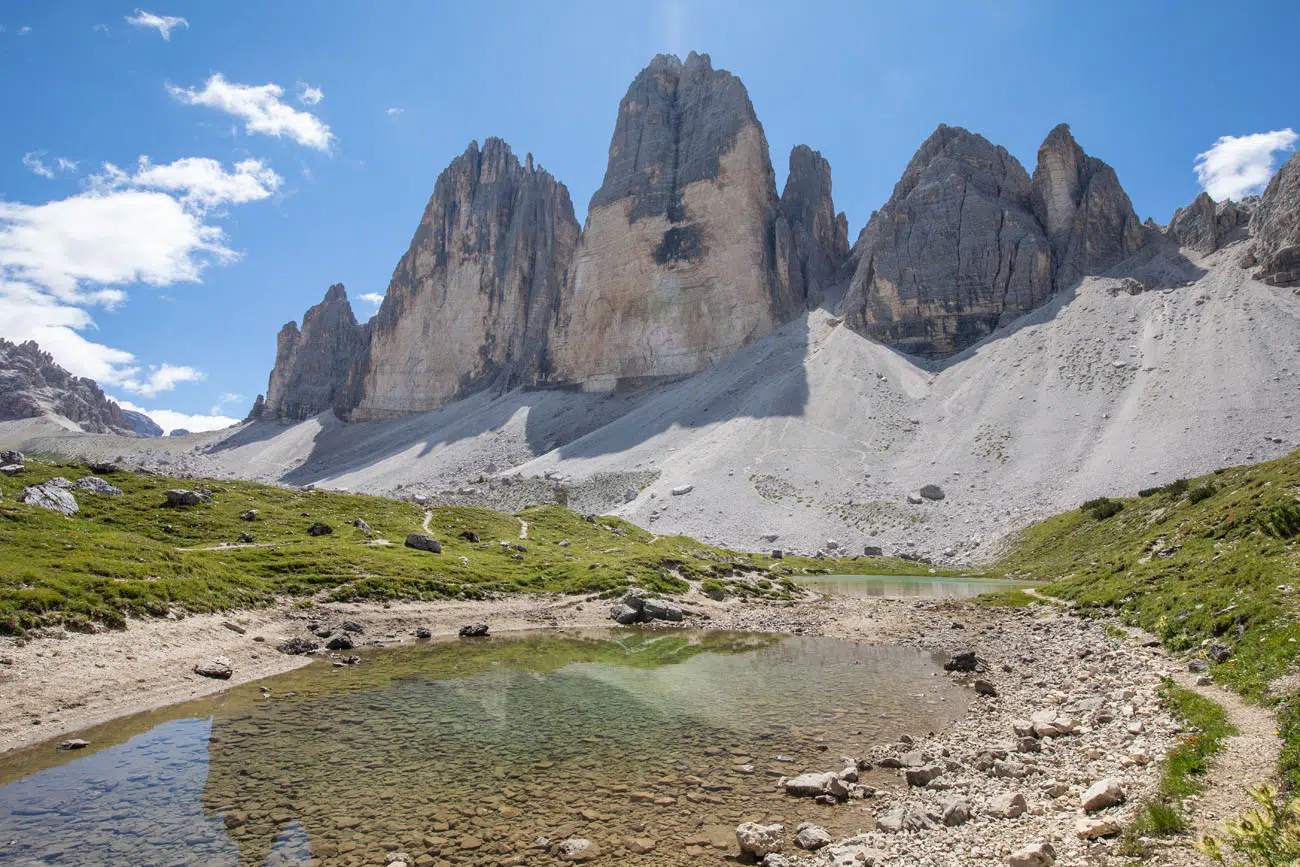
1247,759
523,529
428,516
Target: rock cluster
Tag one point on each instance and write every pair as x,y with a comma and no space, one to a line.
1276,227
968,241
33,385
1204,226
316,366
634,607
52,496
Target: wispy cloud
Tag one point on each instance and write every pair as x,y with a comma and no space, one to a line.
374,298
164,24
262,109
1237,166
202,183
394,112
170,420
24,30
309,95
35,162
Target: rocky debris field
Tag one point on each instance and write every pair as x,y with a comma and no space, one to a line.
1061,744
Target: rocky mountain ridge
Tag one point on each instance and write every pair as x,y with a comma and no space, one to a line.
32,385
688,254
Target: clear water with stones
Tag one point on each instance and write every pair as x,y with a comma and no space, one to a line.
653,745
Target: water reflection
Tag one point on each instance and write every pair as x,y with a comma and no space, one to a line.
468,752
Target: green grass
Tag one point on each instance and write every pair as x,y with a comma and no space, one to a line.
1203,560
1185,766
132,556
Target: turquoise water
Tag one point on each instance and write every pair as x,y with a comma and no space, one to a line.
907,585
471,752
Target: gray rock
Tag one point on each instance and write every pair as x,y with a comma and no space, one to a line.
1093,827
361,525
319,367
809,785
352,626
12,469
339,641
245,538
493,247
96,485
577,849
423,632
297,646
681,490
1033,855
931,492
811,837
74,744
954,812
49,496
873,551
12,456
1086,214
905,819
953,254
1276,227
625,614
179,497
218,668
421,542
250,515
923,775
812,240
1009,805
477,630
1102,794
1218,652
760,840
1203,226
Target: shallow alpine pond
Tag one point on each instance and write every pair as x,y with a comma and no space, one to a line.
925,586
653,745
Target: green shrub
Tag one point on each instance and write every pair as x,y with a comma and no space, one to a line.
1204,492
1283,520
1176,488
1268,836
1102,508
1148,492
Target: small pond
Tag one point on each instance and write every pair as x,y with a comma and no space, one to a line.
652,744
929,586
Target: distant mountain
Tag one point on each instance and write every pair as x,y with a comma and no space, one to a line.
141,424
33,385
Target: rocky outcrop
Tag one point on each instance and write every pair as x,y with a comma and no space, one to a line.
955,252
315,366
141,424
472,301
1086,214
33,385
1276,227
1204,226
812,241
676,269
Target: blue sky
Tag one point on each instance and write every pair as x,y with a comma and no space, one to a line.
168,279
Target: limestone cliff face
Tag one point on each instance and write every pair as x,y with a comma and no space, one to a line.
1088,217
676,269
955,252
1203,225
1276,227
33,385
812,241
314,366
471,303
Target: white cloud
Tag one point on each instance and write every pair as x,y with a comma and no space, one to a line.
101,28
1240,165
309,95
170,420
62,258
164,24
24,30
394,112
261,109
374,298
164,377
202,183
35,161
228,397
32,160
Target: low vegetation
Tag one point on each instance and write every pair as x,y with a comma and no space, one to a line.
134,556
1210,565
1267,836
1185,766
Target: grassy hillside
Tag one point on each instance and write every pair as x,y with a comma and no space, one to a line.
132,555
1212,560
